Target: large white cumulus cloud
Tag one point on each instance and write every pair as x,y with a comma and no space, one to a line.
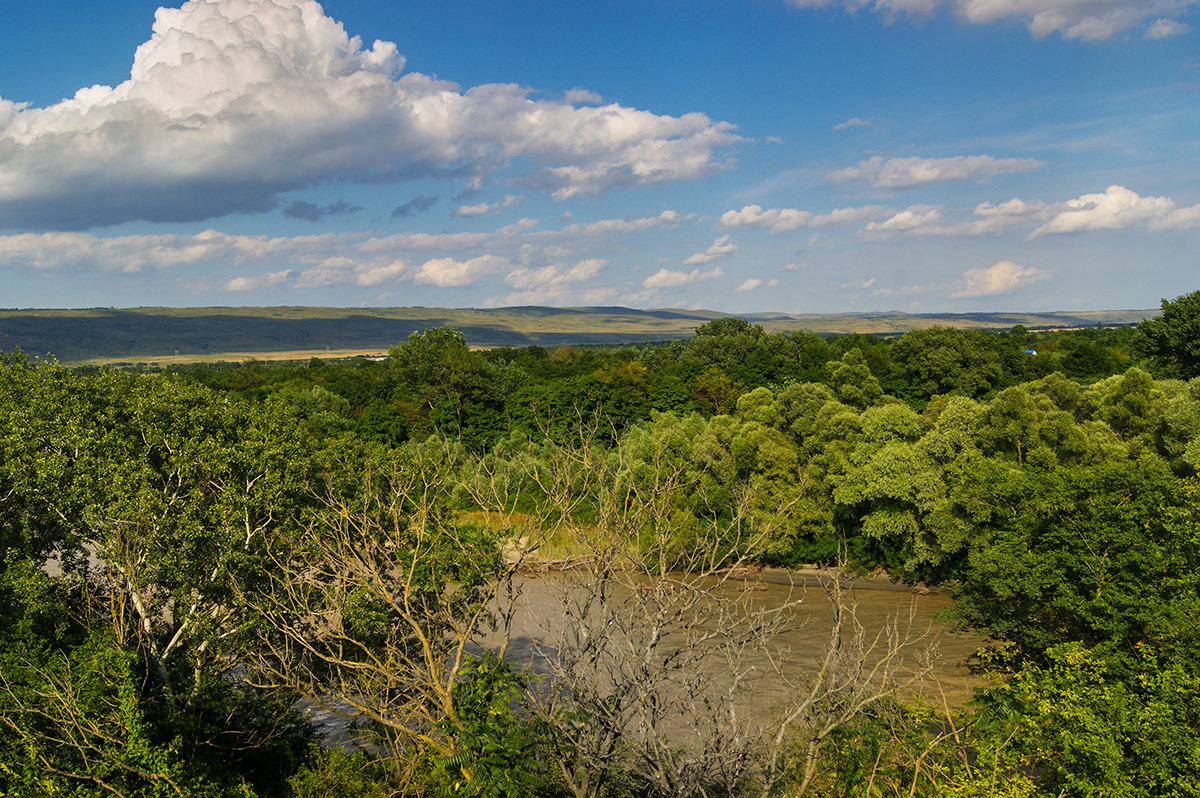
232,102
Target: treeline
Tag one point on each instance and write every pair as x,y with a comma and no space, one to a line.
192,560
434,383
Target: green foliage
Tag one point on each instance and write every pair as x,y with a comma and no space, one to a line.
1081,731
137,505
496,748
1172,340
164,537
1084,555
333,773
942,360
77,723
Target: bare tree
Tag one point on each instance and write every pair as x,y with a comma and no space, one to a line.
653,652
375,611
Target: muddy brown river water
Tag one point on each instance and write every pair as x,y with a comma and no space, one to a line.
793,654
876,605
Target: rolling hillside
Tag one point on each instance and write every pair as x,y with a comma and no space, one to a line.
168,335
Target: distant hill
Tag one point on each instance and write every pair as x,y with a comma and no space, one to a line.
169,335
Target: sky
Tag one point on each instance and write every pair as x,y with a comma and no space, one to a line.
798,156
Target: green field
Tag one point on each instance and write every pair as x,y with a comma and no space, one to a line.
169,335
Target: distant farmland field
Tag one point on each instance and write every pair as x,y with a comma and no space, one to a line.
170,335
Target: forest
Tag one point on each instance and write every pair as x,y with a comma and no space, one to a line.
199,561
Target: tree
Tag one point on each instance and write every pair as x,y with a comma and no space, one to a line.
378,612
943,360
1102,555
451,390
136,505
649,645
1173,339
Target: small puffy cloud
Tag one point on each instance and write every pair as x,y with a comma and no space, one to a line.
781,219
555,274
774,140
1003,277
467,211
989,218
1088,20
908,172
723,247
451,273
851,122
231,104
666,278
310,212
582,97
1012,209
749,285
773,219
1166,28
416,205
906,220
258,281
484,208
629,224
554,283
1116,208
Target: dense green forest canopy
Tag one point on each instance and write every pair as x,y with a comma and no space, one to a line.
192,556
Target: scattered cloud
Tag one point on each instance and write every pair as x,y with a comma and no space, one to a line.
1165,28
774,140
665,278
582,97
259,281
361,258
417,205
989,218
749,285
484,208
852,122
908,172
231,104
911,218
629,224
1117,208
782,219
451,273
1004,277
299,209
1088,20
723,247
554,283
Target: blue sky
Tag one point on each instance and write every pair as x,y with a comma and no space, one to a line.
763,155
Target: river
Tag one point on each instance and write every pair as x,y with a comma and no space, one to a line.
801,642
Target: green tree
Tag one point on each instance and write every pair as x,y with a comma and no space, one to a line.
1098,555
140,503
943,360
1172,339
